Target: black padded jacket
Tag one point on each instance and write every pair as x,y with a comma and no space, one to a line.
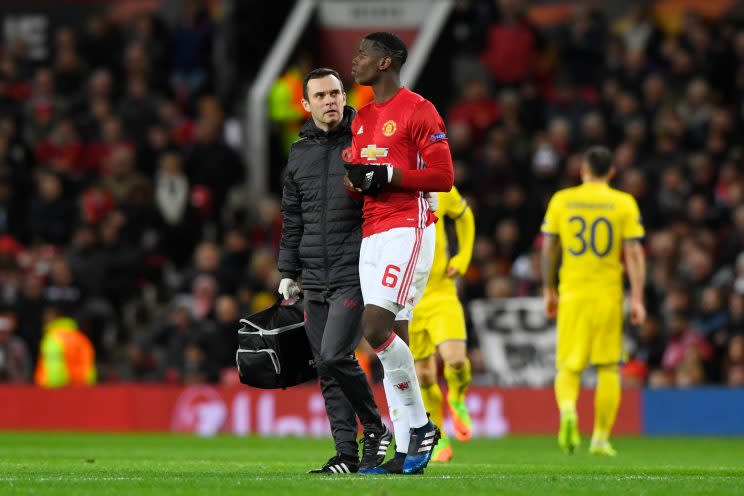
322,230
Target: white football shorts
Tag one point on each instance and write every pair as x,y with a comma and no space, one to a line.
394,266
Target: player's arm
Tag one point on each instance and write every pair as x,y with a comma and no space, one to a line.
635,262
427,132
551,256
465,231
438,175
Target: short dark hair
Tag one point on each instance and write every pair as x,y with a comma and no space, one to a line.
318,73
391,45
599,159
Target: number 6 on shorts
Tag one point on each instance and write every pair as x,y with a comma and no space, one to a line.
389,279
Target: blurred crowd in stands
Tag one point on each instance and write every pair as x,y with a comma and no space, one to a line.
667,95
122,200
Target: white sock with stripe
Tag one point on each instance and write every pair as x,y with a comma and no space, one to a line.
399,417
397,361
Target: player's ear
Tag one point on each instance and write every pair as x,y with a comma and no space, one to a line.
611,173
343,98
305,105
385,63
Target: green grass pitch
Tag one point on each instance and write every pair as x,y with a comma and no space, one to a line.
87,464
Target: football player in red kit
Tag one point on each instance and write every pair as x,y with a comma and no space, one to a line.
399,152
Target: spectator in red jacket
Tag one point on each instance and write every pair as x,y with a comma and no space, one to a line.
512,46
476,108
63,150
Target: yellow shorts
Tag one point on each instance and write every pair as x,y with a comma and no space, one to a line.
435,321
590,331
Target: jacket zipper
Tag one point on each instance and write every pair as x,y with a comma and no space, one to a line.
324,205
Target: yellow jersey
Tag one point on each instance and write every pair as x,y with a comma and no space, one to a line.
452,205
592,221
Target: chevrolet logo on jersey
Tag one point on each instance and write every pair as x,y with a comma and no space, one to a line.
371,152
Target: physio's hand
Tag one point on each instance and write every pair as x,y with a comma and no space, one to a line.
432,199
369,178
288,288
350,187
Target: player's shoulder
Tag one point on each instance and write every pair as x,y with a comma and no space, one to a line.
365,110
564,193
415,101
363,115
624,198
411,96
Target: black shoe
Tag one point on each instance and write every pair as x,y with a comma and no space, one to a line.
338,465
374,447
423,440
392,466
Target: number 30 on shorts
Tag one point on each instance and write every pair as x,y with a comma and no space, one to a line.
389,279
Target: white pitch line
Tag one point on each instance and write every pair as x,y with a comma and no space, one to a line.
68,479
608,477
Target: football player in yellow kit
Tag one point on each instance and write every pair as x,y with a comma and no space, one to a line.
438,324
587,228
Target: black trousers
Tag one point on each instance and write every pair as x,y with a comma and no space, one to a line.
334,331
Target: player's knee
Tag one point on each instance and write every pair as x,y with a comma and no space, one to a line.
400,327
376,325
453,354
426,377
456,363
376,337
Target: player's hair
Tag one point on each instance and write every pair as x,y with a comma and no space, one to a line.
599,159
318,73
391,45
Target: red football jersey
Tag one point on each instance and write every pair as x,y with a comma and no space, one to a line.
395,132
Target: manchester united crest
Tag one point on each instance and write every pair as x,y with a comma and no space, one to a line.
388,129
347,155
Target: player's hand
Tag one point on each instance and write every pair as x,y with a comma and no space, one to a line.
454,268
369,178
637,312
288,288
550,296
432,199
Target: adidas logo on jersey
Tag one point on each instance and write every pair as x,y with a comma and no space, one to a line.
361,130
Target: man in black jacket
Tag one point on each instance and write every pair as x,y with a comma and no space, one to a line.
321,237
